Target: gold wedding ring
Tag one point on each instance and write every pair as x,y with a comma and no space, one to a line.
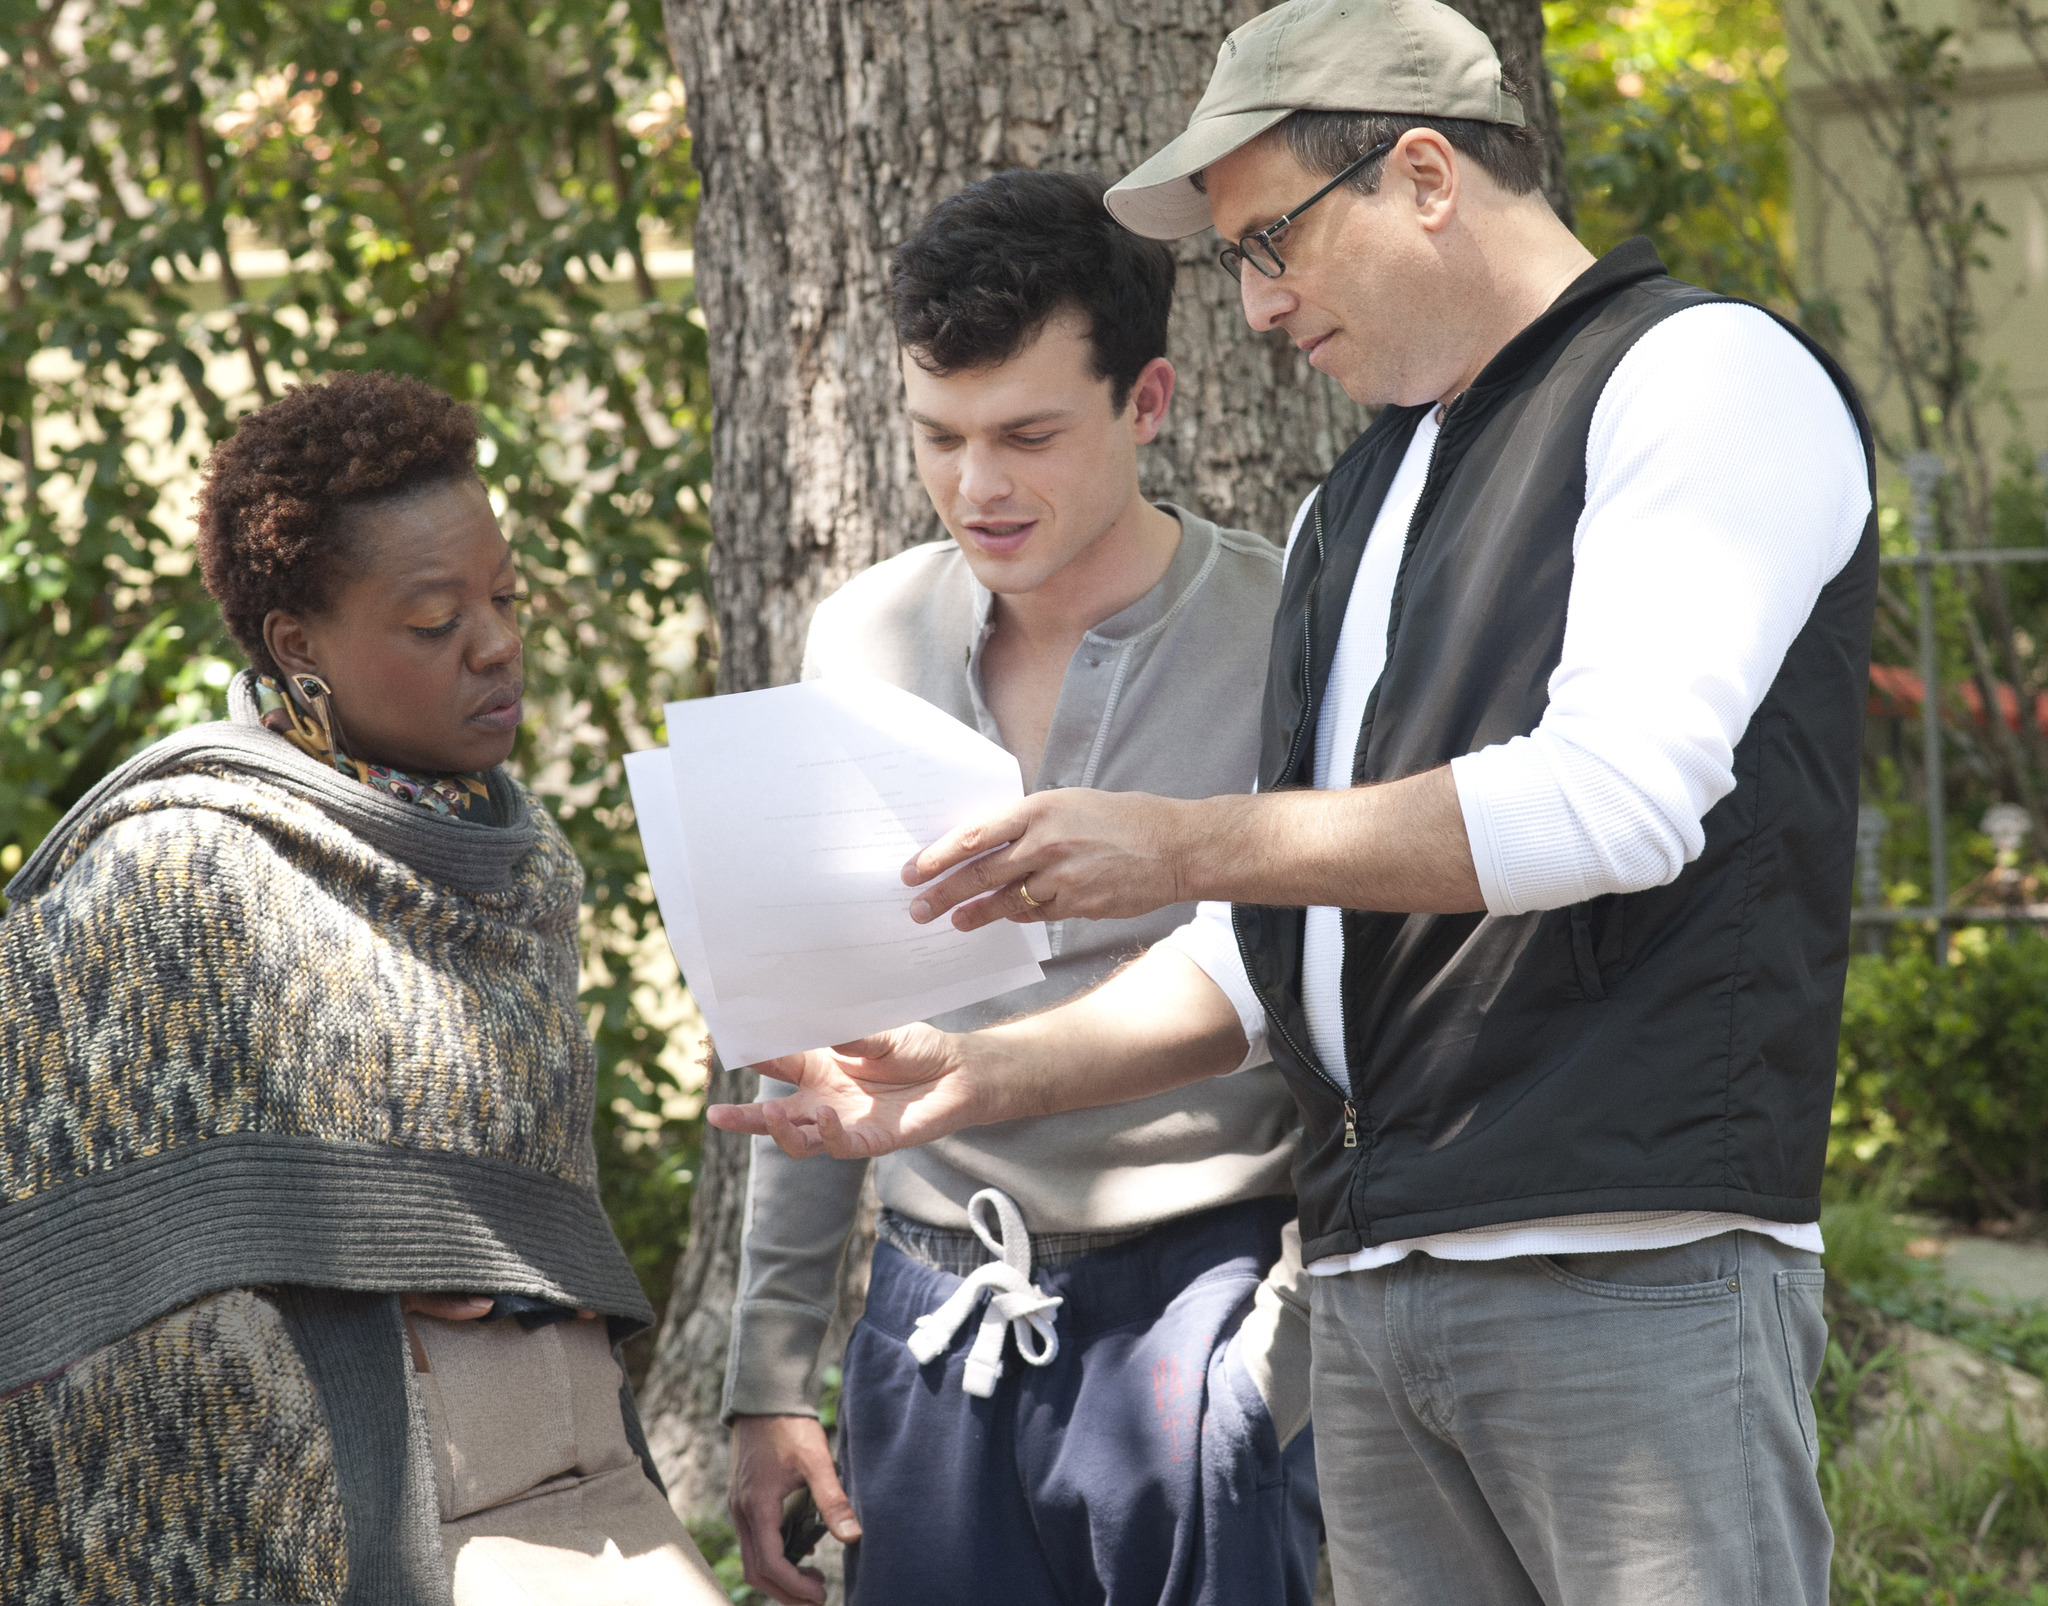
1024,891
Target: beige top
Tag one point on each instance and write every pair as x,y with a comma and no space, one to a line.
1162,697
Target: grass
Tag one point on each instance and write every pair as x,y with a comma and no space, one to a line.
1930,1517
1923,1512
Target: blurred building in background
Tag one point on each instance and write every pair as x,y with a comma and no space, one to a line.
1920,183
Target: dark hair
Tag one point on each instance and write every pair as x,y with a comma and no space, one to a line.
1329,142
271,530
988,266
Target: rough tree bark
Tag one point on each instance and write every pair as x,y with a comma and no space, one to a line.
824,129
1516,29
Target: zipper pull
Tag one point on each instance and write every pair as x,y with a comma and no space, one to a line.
1350,1126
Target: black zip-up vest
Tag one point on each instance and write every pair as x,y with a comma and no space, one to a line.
1672,1049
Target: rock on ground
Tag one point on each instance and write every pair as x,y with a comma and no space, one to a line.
1951,1393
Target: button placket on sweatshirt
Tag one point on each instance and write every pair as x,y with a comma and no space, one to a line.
1079,732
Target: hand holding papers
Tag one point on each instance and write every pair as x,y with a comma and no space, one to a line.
776,825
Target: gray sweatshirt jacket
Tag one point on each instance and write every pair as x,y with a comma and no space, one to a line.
1163,698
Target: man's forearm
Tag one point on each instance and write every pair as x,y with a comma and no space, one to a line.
798,1219
1399,847
1156,1025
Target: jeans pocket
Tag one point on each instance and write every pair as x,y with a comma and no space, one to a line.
1805,1330
1638,1294
1706,1268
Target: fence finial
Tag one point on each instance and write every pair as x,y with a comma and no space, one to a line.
1924,471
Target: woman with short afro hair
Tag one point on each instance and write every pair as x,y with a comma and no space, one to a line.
310,1295
273,509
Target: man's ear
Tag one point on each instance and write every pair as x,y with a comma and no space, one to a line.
290,649
1150,397
1424,162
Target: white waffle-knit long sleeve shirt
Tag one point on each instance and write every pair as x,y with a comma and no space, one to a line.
1725,486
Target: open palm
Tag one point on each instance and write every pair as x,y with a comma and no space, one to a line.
858,1100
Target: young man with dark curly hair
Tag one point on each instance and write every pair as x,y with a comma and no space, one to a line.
295,1096
1143,1442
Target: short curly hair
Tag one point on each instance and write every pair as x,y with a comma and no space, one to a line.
271,529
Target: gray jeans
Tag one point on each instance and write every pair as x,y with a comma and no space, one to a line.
1589,1430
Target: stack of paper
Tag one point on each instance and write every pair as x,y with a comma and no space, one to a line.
777,824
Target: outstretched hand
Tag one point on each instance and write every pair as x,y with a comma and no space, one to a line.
891,1091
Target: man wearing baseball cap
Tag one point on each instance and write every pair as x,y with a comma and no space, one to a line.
1542,903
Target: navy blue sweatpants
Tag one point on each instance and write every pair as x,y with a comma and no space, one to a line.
1138,1469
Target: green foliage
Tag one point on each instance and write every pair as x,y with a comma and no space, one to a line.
1944,1073
2016,1337
1670,112
202,205
1943,1085
1866,1241
1917,1522
1922,1510
1869,1267
2019,518
720,1546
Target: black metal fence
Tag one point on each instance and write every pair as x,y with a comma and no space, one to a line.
2005,823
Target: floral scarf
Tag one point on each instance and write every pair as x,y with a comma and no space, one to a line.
309,726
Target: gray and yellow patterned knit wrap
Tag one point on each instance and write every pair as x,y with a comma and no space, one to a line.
127,1471
262,1026
296,982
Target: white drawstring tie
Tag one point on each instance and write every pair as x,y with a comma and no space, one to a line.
1014,1301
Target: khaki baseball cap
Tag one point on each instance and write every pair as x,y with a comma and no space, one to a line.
1411,58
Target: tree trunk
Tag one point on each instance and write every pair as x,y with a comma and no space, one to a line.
824,130
1516,29
680,1399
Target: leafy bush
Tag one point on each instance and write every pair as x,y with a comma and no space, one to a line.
1670,112
1944,1074
203,205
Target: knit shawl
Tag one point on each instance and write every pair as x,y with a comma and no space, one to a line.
264,1027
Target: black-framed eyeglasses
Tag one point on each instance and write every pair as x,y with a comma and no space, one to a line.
1260,249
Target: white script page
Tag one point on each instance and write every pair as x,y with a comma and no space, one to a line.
652,779
777,853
